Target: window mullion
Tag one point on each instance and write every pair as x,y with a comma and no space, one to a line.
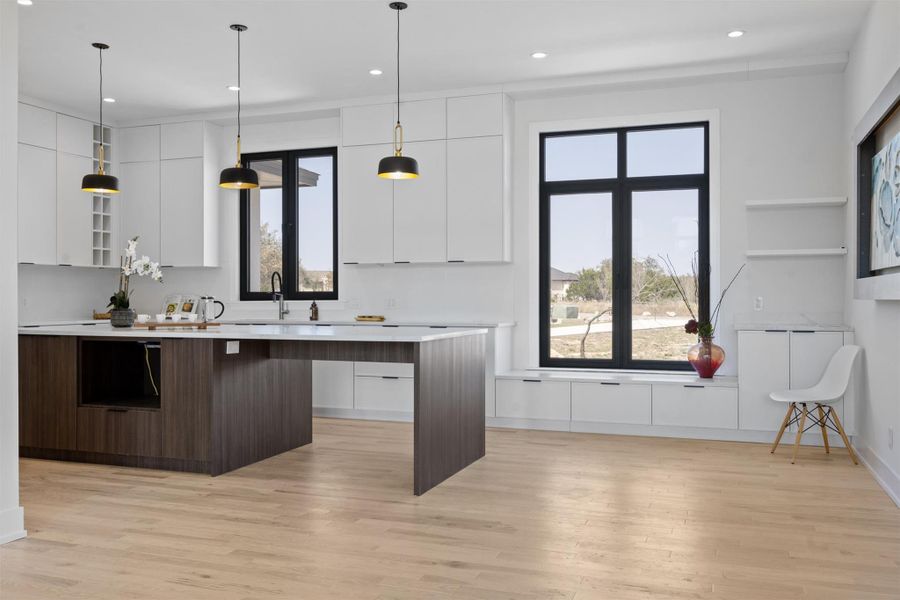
289,229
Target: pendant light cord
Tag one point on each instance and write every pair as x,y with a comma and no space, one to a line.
101,96
398,67
239,85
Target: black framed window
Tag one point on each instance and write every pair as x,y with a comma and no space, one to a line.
289,225
617,205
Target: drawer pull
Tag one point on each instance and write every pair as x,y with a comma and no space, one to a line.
117,410
775,331
456,261
531,381
688,385
401,262
802,331
610,383
390,377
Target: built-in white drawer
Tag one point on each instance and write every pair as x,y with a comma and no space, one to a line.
332,383
695,406
384,393
533,399
611,403
378,369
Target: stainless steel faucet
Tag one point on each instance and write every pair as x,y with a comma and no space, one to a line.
278,296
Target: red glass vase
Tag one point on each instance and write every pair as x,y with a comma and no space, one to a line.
706,357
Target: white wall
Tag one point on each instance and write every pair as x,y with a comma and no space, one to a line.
12,525
779,138
874,59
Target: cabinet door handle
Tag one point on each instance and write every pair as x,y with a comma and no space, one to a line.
351,263
609,383
802,331
401,262
687,385
531,381
776,331
390,377
456,261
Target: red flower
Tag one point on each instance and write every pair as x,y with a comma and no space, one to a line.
691,326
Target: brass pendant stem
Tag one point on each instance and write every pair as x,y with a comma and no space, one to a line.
100,154
398,139
238,163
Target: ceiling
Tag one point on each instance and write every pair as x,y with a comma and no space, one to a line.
171,57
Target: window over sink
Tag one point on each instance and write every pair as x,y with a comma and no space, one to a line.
289,225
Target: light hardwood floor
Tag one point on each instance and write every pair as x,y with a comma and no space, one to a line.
543,515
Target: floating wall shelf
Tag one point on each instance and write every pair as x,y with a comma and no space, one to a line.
797,203
796,252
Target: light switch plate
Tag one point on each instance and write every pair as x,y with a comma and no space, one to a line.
232,347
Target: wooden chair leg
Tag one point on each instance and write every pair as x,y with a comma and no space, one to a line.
824,429
784,423
840,428
799,433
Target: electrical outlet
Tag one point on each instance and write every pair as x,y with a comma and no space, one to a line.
891,438
758,303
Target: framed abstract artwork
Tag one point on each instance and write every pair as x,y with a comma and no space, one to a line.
885,206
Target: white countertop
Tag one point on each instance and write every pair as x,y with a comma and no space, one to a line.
289,321
342,333
790,327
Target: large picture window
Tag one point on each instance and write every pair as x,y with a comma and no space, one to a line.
289,225
619,208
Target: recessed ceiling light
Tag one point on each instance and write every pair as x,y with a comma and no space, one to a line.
110,100
735,34
538,55
25,2
376,72
234,88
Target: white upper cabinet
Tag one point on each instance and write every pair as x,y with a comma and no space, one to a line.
374,124
139,144
74,212
364,125
424,120
181,140
139,202
477,219
74,136
367,207
37,204
420,207
37,126
475,116
181,212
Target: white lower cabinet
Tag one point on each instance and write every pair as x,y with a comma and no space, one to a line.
611,403
533,399
811,351
332,384
763,368
384,393
692,405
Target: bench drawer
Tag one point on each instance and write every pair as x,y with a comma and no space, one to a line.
533,399
695,406
611,403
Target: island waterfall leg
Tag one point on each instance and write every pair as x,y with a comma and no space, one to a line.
449,408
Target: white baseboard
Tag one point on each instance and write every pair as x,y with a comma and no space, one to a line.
883,474
12,524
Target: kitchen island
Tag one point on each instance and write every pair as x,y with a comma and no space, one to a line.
215,400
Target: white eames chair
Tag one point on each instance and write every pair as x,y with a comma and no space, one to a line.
830,389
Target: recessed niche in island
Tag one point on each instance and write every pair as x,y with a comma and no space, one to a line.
120,374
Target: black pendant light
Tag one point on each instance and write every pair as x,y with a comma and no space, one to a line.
238,177
100,182
398,166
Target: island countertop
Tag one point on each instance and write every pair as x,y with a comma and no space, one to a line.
340,333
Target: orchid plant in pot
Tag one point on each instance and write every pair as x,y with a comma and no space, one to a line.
121,313
705,356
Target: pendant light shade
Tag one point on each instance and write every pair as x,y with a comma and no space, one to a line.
100,182
238,177
398,166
